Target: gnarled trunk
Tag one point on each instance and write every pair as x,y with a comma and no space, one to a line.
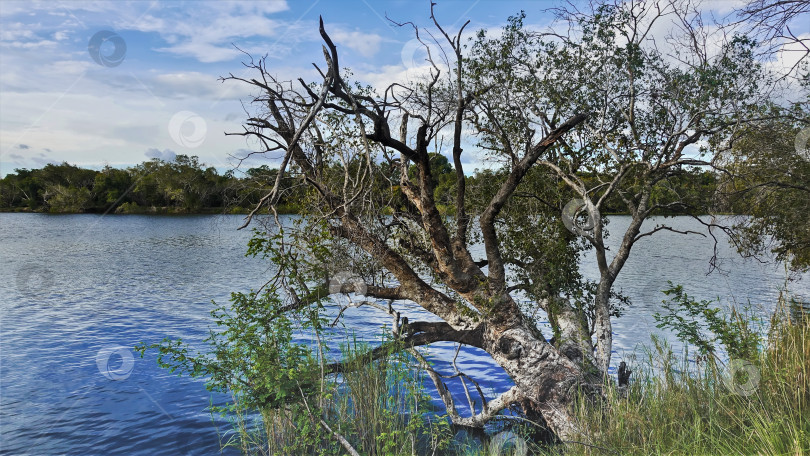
546,380
476,307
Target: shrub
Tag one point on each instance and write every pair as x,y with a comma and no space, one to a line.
282,404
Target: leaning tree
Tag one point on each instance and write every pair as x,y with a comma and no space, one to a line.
606,111
658,104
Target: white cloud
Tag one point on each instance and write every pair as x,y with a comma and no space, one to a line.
202,51
723,6
165,155
16,31
367,44
208,31
263,7
31,44
90,127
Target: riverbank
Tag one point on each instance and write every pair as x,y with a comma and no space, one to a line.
754,403
156,210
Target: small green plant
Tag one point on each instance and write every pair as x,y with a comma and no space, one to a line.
704,326
283,399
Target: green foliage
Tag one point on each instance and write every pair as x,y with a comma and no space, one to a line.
377,405
158,186
66,199
111,185
533,236
600,67
182,186
703,326
252,352
767,179
687,191
282,401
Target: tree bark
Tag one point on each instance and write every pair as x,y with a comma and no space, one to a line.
547,380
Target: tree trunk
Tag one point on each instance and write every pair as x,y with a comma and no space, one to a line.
546,380
573,339
603,329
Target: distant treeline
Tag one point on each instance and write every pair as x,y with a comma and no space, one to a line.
187,186
155,186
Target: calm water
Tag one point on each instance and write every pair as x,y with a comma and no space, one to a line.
78,291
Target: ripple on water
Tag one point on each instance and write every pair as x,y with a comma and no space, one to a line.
72,286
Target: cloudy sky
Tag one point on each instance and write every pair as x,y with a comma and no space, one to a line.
98,83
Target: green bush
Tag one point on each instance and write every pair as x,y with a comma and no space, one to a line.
704,326
282,403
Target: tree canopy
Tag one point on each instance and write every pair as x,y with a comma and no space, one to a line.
181,186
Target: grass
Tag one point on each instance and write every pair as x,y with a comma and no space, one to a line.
678,407
378,407
672,407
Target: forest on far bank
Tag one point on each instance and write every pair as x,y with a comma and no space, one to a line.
187,186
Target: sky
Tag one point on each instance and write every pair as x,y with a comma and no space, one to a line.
118,83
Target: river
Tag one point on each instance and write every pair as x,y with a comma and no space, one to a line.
77,292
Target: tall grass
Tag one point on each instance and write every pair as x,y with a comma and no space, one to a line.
678,407
672,407
377,406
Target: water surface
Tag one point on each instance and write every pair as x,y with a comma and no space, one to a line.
78,291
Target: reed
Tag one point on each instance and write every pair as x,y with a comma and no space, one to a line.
679,407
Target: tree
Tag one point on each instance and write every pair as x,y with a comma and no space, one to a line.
770,20
65,187
766,179
190,185
184,184
20,188
604,100
111,187
652,105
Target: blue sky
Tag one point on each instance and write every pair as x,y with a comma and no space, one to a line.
162,97
58,104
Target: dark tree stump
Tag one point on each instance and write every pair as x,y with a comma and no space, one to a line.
624,374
